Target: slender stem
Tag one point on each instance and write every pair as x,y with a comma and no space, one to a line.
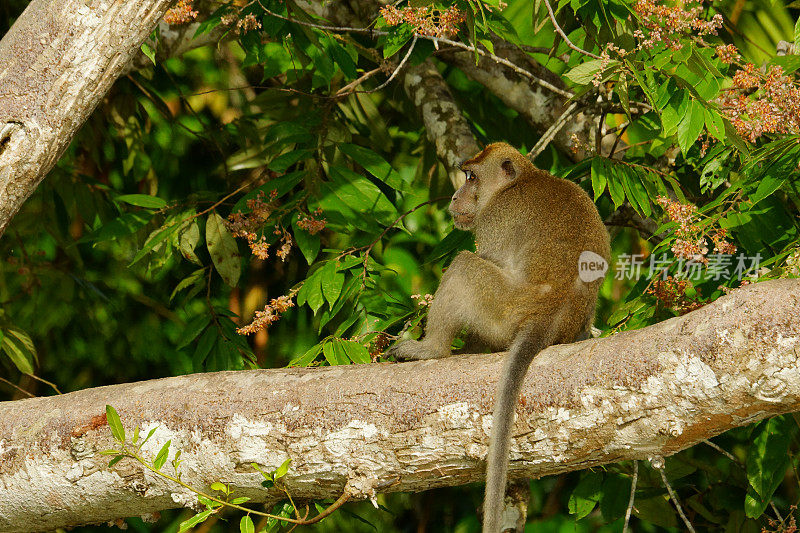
30,394
552,131
631,499
675,501
325,513
564,35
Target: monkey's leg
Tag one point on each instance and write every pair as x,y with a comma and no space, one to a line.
474,293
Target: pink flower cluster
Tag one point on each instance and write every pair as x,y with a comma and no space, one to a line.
312,223
727,53
247,225
671,293
690,242
666,24
426,20
271,313
182,13
774,106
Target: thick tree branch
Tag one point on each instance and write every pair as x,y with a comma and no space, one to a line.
59,60
407,427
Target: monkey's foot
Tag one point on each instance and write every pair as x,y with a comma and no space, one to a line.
412,350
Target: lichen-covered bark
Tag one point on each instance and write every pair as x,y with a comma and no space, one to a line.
58,61
411,426
446,127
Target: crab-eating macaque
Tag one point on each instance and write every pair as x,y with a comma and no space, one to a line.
542,251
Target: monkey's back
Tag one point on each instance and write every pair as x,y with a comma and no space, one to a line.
540,226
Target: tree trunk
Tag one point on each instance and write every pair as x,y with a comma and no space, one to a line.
406,427
58,61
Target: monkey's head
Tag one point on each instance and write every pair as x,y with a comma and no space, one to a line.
493,169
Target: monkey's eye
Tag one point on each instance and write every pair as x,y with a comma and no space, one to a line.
470,175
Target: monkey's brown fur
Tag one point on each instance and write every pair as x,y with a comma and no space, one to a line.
521,289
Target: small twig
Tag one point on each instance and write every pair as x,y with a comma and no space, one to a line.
659,465
564,35
398,69
30,394
619,137
42,380
598,140
349,88
631,499
551,132
726,453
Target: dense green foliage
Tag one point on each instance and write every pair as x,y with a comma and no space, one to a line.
126,265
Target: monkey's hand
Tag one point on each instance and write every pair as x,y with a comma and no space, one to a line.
412,350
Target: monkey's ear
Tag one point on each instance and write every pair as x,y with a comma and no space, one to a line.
508,167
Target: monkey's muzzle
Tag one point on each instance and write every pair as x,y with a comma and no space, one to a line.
463,221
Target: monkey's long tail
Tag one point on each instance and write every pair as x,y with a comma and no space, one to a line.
533,339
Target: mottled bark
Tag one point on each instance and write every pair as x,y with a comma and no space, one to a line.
411,426
58,61
446,127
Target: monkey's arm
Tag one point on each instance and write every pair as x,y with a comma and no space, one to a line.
474,293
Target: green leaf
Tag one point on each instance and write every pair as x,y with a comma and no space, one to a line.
312,291
308,244
240,500
767,460
714,124
149,434
341,57
586,494
599,179
397,38
657,511
115,460
691,126
374,164
123,225
115,424
162,455
674,111
193,521
143,200
331,282
584,73
361,196
188,238
18,346
284,161
192,279
768,185
356,352
246,524
797,32
308,357
194,328
334,353
282,470
223,250
221,487
149,52
156,237
616,493
615,185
